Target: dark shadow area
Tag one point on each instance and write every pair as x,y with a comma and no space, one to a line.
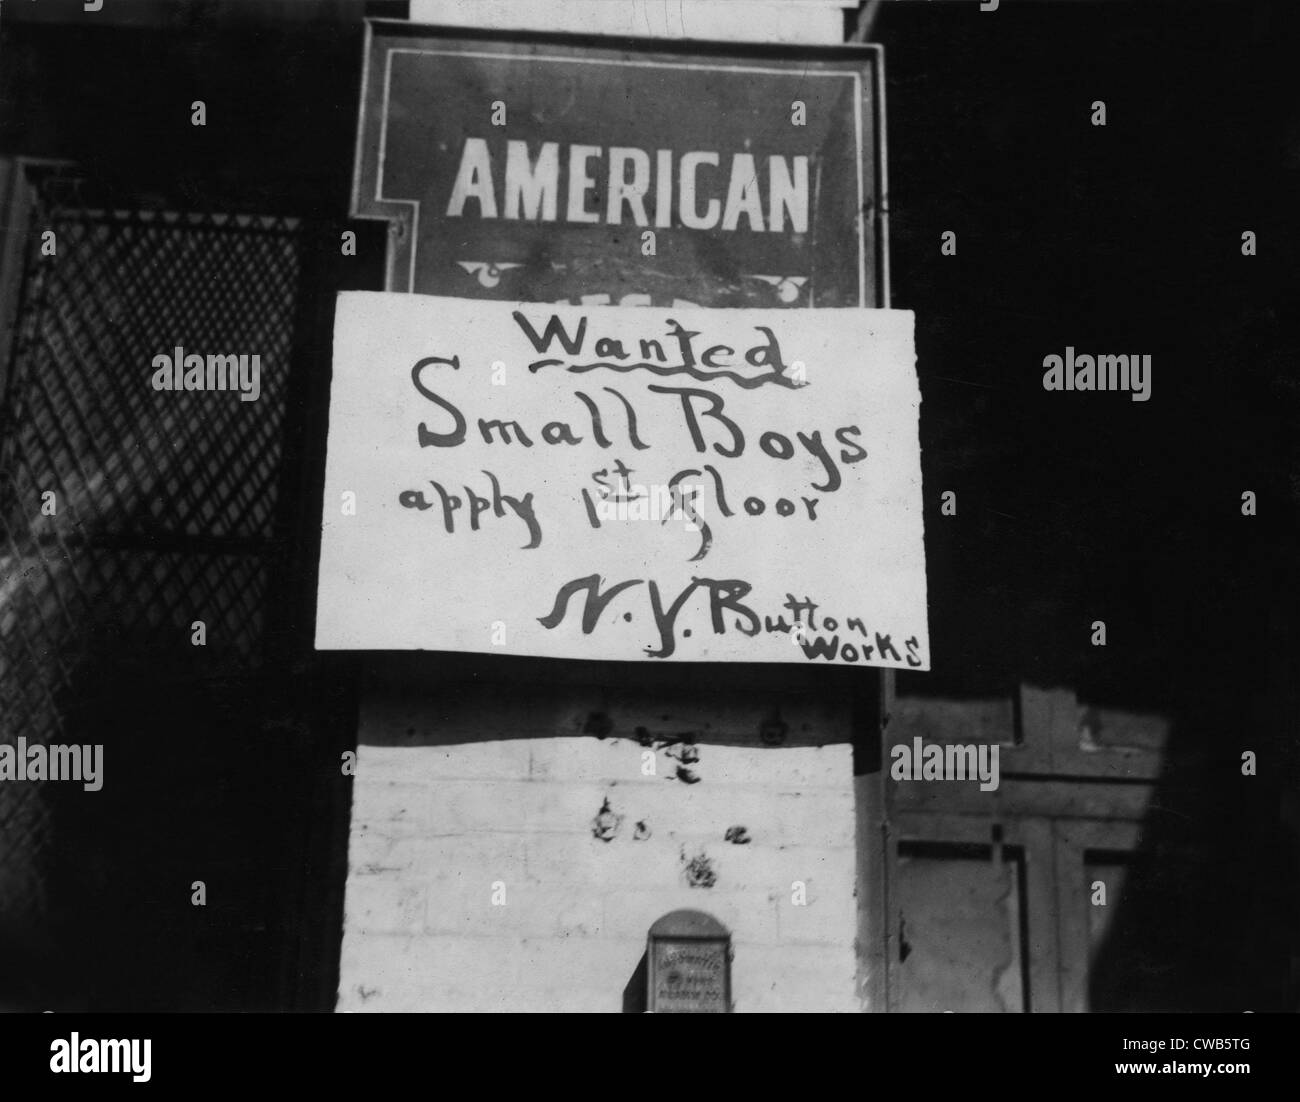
222,762
1076,507
634,994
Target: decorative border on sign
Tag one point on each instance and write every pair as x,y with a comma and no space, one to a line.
404,214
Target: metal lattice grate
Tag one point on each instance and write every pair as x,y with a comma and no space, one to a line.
165,500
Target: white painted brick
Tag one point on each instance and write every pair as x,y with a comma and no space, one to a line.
817,818
394,808
383,905
585,759
492,759
458,972
580,963
453,807
823,818
485,856
798,768
750,916
581,861
434,826
519,1000
369,847
794,978
405,1000
773,869
828,917
576,1000
432,963
529,910
482,974
461,806
463,905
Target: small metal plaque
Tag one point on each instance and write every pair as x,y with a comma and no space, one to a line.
690,977
690,965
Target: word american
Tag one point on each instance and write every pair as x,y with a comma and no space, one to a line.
696,190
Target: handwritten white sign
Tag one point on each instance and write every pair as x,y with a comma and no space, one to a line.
623,483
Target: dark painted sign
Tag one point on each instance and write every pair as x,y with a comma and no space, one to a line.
555,168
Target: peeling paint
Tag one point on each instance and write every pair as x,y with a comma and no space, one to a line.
685,752
606,823
700,872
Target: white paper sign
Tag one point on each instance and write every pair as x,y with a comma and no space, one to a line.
623,483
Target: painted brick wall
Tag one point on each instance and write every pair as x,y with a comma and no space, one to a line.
446,811
451,798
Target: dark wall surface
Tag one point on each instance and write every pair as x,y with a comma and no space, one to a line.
1076,507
